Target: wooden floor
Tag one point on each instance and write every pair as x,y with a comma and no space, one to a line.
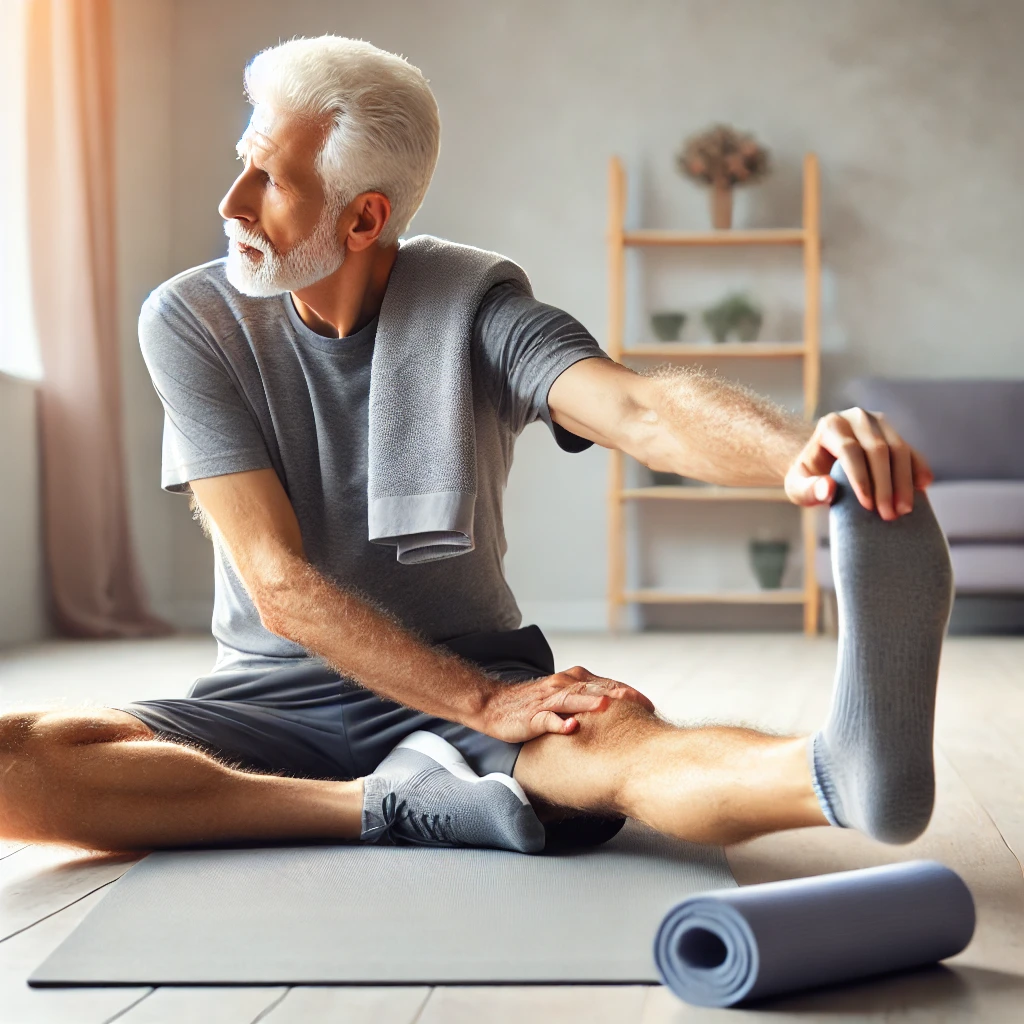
779,682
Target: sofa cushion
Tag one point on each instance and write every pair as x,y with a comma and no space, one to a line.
967,429
979,510
970,510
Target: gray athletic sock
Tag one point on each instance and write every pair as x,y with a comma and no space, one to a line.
424,794
872,763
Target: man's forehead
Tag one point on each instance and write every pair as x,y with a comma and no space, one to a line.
259,132
281,135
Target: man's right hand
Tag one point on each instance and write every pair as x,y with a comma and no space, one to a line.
516,712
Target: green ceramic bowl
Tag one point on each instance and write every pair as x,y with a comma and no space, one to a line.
666,326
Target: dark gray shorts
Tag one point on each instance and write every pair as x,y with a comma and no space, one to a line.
308,722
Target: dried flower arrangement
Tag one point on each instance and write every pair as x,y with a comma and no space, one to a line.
723,158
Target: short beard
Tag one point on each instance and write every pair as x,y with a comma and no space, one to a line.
317,256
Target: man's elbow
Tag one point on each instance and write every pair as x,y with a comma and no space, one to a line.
274,585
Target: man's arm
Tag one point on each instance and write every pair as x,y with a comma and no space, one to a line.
692,423
256,522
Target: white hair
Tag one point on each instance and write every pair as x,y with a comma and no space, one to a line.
386,131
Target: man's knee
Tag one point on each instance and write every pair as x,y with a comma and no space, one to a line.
36,748
588,769
622,722
35,733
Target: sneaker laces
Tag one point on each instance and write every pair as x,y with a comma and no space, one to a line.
399,820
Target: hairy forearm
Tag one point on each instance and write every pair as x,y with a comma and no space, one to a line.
366,644
701,426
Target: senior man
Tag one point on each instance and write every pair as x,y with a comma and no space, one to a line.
342,406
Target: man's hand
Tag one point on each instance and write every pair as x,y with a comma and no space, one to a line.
883,469
516,712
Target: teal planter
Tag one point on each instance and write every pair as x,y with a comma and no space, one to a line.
768,559
661,479
666,326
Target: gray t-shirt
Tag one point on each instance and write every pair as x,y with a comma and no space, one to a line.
245,385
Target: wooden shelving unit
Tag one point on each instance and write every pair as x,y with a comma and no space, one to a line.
707,493
808,349
726,350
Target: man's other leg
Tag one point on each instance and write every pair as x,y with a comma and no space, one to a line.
709,785
872,762
98,779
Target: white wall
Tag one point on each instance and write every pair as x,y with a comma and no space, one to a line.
22,600
147,189
912,107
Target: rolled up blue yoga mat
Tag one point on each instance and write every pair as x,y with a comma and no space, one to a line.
738,945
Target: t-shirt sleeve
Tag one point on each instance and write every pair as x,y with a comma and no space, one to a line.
521,347
209,429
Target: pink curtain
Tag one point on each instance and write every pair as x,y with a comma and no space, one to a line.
94,586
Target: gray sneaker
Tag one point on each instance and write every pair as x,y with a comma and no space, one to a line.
424,794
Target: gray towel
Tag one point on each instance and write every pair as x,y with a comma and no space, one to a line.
422,439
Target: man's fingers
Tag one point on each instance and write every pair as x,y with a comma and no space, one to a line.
806,489
882,468
901,467
619,691
548,721
550,705
629,693
573,702
602,686
839,438
578,672
923,475
871,439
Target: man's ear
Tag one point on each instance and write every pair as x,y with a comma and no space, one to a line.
372,211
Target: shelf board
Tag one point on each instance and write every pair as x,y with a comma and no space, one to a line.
783,596
759,236
713,350
706,492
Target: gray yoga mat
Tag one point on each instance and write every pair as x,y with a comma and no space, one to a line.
739,945
379,915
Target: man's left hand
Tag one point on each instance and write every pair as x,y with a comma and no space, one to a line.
883,469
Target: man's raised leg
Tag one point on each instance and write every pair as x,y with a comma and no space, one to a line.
870,767
709,785
97,779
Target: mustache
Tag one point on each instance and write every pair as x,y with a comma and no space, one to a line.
239,232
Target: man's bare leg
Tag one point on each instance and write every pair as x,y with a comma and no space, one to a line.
99,780
711,785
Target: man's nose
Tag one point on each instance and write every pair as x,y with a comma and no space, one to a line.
237,203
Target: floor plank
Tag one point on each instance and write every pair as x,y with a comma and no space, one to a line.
204,1005
538,1004
995,785
22,953
40,880
963,994
7,849
981,729
396,1004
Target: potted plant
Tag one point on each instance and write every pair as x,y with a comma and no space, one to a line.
723,158
735,314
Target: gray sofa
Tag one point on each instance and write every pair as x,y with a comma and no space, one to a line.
972,433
